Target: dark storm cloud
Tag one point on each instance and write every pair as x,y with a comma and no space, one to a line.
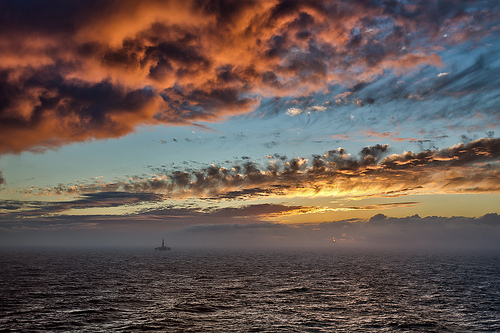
80,70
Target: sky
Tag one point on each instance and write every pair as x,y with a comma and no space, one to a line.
326,123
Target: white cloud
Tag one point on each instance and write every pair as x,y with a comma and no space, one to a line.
292,112
317,108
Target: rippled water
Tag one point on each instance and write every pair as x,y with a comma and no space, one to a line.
261,291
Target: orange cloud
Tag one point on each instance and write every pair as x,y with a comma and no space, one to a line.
385,205
78,71
393,136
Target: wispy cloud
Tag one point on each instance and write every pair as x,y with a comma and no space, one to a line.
385,205
33,208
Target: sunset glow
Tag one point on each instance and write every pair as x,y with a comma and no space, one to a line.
300,122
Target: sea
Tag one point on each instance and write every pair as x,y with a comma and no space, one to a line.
143,290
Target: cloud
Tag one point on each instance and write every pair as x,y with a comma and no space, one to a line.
385,205
18,216
472,80
83,70
379,232
317,108
374,151
262,211
31,209
292,112
466,167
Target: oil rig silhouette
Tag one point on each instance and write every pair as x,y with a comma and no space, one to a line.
162,247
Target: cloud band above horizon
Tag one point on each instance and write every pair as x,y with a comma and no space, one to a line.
463,168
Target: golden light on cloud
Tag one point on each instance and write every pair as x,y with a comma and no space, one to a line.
464,168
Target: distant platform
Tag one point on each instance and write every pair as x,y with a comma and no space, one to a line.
162,247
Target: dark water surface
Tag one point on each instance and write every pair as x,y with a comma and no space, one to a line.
248,291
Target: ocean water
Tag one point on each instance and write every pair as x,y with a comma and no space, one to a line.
248,291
